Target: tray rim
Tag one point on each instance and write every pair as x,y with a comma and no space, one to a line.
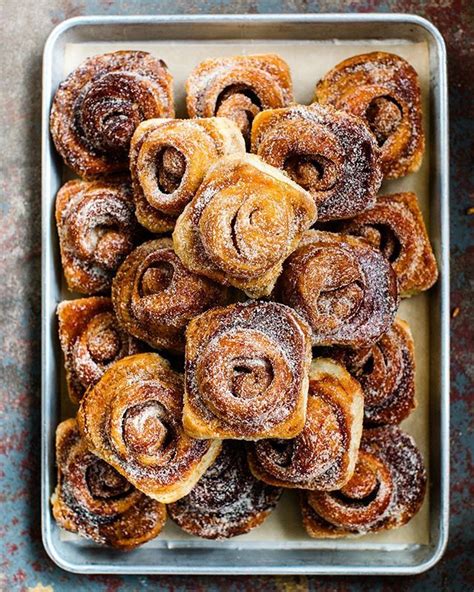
443,260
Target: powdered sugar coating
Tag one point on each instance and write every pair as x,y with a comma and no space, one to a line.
95,501
330,153
344,288
383,89
227,501
387,489
97,108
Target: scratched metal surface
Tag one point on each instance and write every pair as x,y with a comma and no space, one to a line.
24,565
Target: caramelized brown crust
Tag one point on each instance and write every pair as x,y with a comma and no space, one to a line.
331,154
245,219
344,288
227,500
386,491
324,455
97,229
246,372
97,108
91,340
168,161
238,88
386,372
155,296
395,226
132,419
93,500
384,90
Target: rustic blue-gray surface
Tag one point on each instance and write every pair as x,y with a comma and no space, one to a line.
24,564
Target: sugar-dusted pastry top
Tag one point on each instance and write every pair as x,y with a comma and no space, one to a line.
332,154
91,340
168,161
97,229
342,286
132,419
386,491
324,454
245,219
384,90
93,500
239,87
227,501
395,226
98,107
246,372
155,296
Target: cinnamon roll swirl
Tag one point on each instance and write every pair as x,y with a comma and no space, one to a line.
168,161
97,229
386,372
91,340
260,216
395,226
227,500
344,288
324,455
155,296
386,491
384,90
132,419
331,154
93,500
238,88
97,108
246,372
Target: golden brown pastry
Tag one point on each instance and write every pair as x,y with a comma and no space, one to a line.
93,500
168,161
386,372
238,88
155,296
332,154
384,90
91,340
386,491
395,226
243,222
97,229
227,500
246,372
324,455
97,108
132,419
342,286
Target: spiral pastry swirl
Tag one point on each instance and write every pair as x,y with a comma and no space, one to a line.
331,154
344,288
93,500
246,372
323,456
383,89
91,340
386,372
238,88
155,296
97,229
227,500
132,419
243,222
395,226
97,108
168,161
386,491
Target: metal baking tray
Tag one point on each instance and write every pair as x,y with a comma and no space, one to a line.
274,556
